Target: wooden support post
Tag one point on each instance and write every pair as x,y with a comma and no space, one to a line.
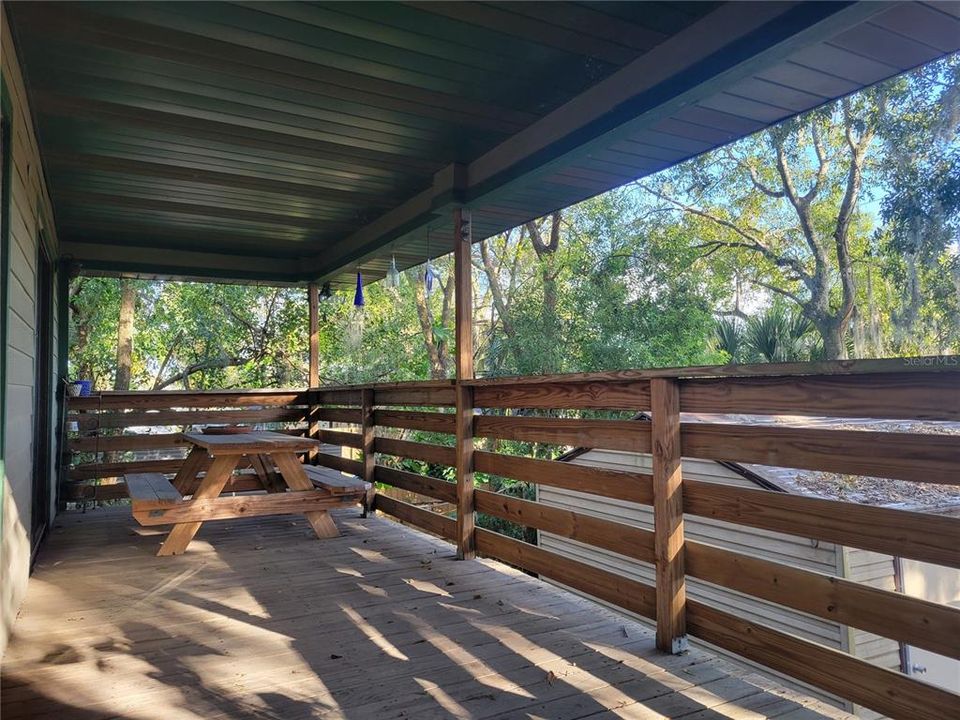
668,516
313,380
463,279
466,511
367,441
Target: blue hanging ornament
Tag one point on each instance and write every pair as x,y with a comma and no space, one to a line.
358,295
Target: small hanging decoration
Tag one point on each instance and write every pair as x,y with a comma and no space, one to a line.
358,295
326,294
392,280
428,270
355,324
428,276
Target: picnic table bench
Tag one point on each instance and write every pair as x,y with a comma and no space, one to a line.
290,486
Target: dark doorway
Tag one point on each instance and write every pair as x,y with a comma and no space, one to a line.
43,399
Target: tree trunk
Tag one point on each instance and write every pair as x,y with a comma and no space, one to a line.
437,367
833,334
546,255
128,299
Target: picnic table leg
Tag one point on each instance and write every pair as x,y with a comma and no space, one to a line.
268,477
193,465
296,479
217,475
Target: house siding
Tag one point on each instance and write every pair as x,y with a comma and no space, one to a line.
28,214
777,547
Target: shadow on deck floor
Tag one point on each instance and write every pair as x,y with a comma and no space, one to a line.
261,620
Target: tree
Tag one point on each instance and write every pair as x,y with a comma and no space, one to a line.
787,202
128,299
778,334
436,331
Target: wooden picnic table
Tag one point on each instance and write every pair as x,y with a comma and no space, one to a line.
273,457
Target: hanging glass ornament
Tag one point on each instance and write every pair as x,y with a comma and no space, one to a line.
355,323
428,277
355,328
358,295
392,280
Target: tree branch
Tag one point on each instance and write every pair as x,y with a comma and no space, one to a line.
751,241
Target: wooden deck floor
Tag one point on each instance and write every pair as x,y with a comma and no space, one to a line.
261,620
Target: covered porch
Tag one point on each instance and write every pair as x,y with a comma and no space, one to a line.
260,620
304,144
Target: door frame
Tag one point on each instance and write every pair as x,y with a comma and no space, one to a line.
43,397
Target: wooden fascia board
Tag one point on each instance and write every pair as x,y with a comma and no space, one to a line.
182,264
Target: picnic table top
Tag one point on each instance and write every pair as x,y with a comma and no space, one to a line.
251,442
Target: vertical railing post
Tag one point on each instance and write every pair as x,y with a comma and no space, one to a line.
466,513
463,279
313,377
367,442
668,515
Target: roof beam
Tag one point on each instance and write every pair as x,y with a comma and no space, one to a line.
181,264
724,47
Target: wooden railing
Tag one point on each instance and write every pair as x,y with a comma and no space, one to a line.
593,411
112,433
562,411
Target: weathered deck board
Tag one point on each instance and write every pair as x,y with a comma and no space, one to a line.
259,619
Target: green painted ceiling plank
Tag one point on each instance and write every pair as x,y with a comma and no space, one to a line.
235,117
61,134
150,72
212,21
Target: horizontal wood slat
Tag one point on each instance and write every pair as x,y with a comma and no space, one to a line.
619,538
416,397
632,487
413,420
90,421
427,452
90,471
606,434
432,522
634,395
885,691
921,366
80,490
93,471
350,416
917,622
921,536
421,484
340,396
903,456
222,508
342,439
170,399
628,594
336,462
139,441
143,441
884,395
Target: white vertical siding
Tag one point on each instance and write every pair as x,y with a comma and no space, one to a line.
777,547
28,204
935,583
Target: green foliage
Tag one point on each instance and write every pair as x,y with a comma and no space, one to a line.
636,277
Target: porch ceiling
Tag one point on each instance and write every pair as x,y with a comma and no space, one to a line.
286,142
